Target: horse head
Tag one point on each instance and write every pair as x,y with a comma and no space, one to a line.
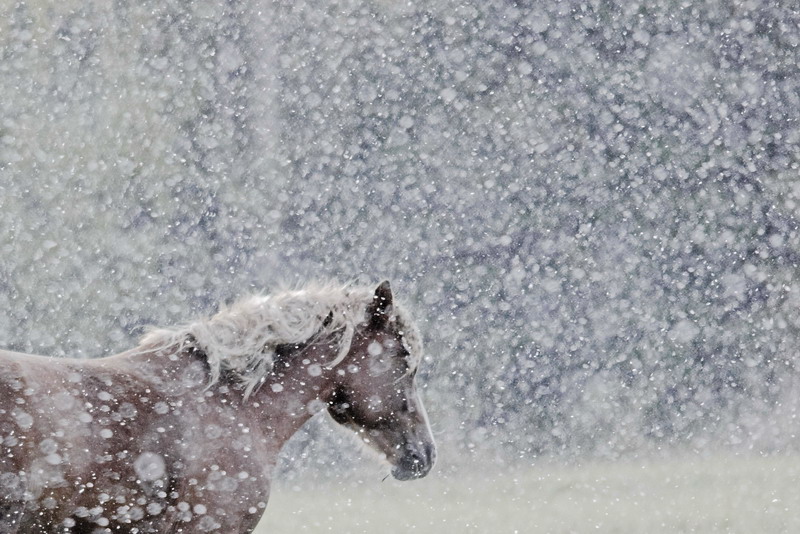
375,394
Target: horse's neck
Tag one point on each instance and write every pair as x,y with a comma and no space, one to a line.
299,387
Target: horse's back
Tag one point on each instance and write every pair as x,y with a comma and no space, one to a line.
29,387
17,365
36,359
43,401
28,374
13,420
9,354
60,419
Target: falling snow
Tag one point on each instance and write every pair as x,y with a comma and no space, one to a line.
149,466
591,206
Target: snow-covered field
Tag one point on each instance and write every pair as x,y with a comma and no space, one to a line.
732,494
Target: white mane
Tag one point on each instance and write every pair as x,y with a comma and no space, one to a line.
241,340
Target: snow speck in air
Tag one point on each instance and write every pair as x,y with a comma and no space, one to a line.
149,466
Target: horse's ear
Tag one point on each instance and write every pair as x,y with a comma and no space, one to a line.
380,307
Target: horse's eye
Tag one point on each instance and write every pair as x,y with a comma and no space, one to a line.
339,413
339,406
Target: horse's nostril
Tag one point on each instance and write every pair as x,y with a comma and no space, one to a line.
413,453
418,459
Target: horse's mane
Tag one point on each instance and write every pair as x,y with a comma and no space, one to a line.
241,341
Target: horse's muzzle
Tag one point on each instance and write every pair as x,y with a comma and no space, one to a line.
416,462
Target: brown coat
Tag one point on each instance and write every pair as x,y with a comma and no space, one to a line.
140,443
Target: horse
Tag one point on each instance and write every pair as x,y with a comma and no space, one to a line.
182,433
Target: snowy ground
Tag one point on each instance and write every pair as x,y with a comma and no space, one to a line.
702,495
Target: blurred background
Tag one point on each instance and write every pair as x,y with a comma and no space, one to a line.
591,206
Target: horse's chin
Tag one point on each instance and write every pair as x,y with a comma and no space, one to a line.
401,472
